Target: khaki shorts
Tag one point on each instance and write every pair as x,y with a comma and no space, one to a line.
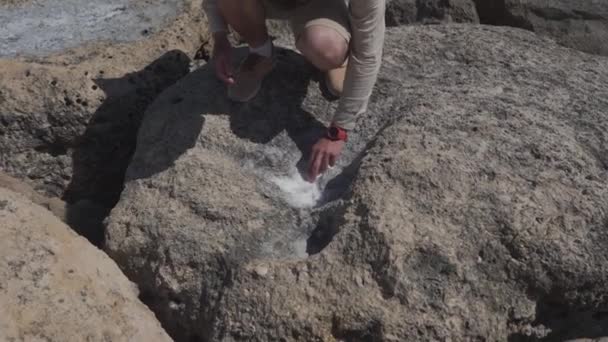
332,14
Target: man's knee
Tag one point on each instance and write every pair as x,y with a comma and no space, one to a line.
323,45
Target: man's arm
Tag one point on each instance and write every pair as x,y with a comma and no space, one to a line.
367,25
222,50
216,21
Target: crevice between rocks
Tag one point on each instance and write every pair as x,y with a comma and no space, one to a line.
494,12
102,154
326,228
556,321
371,332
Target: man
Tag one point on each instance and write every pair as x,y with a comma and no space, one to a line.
344,42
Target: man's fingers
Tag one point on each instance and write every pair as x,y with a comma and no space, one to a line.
324,163
311,163
332,160
224,71
315,163
228,68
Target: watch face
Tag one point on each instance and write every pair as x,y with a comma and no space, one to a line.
333,132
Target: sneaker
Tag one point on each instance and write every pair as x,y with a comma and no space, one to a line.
334,80
249,77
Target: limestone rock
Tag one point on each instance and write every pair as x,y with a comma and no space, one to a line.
54,204
400,12
581,24
69,113
55,286
469,204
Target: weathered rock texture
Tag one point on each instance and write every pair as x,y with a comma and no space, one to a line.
68,121
84,216
53,204
400,12
470,204
55,286
580,24
37,28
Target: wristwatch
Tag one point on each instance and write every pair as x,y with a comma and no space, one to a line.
335,133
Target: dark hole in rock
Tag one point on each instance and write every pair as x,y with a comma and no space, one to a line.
370,333
54,149
556,321
319,239
494,12
326,229
195,338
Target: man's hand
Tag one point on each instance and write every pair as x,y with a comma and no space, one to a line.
324,154
222,57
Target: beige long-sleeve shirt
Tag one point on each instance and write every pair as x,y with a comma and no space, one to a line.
367,29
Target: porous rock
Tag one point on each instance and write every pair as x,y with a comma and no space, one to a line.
469,204
55,286
581,24
401,12
69,114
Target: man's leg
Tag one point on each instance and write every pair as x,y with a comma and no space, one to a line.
323,47
322,35
248,19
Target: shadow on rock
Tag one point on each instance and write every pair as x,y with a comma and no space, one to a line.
177,120
104,150
200,146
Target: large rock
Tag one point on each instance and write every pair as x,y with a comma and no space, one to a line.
55,286
85,216
470,203
400,12
580,24
72,95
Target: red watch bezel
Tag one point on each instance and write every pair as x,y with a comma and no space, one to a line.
336,133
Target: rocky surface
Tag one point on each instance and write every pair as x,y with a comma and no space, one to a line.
68,120
581,24
41,27
84,216
55,286
53,204
400,12
470,203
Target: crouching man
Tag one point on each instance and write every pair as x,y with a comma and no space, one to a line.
342,39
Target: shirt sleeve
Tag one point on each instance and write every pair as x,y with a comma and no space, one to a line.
216,21
368,27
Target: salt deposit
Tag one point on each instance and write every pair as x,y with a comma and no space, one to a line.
296,191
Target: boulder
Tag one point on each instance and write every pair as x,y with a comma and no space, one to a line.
469,203
54,204
581,24
72,95
84,216
401,12
55,286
